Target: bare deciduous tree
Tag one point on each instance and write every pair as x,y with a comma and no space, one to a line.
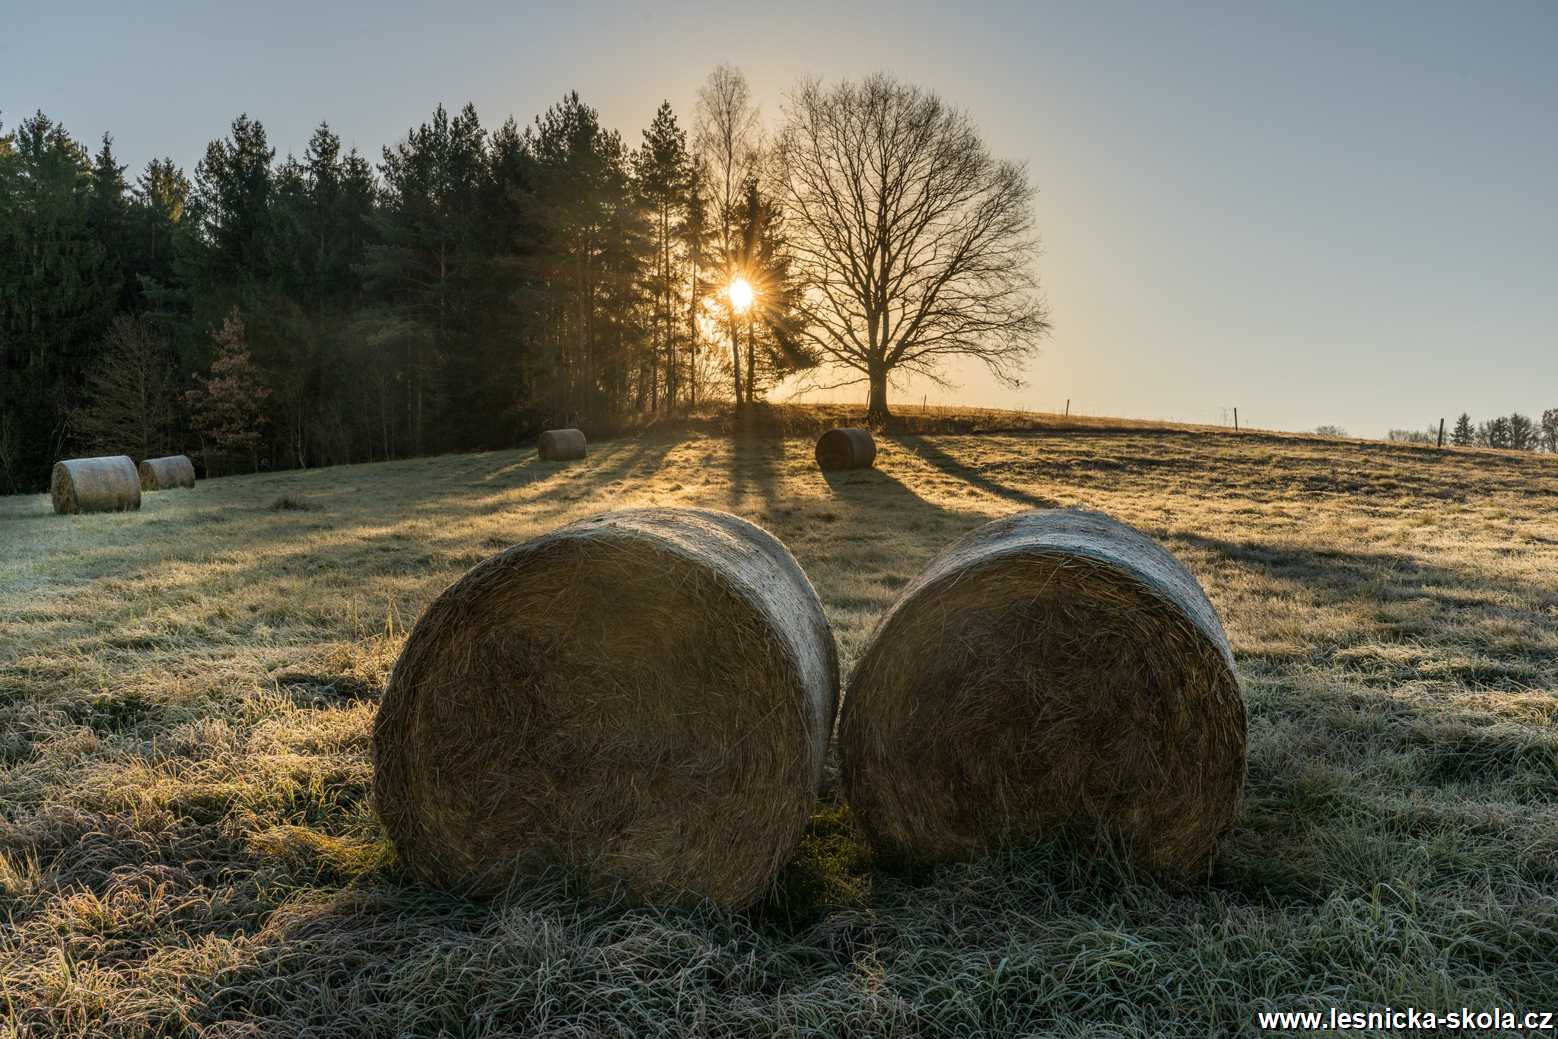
725,138
914,243
130,394
1550,429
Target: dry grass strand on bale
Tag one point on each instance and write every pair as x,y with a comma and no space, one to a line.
164,474
847,448
109,484
1052,671
645,696
561,445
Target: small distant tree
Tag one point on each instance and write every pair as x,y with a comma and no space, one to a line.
1494,433
129,393
1330,431
1464,434
1522,432
1411,436
226,405
1550,429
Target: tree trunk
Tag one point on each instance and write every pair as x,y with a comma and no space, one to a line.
735,356
692,332
665,290
751,361
876,406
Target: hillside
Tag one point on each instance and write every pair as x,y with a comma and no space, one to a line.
186,693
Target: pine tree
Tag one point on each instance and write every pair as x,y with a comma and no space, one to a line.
157,206
429,258
693,235
1494,433
231,205
58,291
162,193
661,172
227,405
1464,434
109,215
592,250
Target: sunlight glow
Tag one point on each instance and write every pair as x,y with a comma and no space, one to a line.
740,295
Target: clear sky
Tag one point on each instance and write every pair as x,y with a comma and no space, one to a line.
1320,213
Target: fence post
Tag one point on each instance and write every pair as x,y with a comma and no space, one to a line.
1441,432
1068,407
1236,420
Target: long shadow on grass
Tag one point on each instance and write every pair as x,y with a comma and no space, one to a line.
525,489
927,450
357,529
1354,782
756,467
1442,622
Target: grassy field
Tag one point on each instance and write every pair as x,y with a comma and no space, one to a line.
186,845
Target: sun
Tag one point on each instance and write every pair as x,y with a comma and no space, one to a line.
740,295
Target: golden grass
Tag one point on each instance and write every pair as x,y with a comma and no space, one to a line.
186,695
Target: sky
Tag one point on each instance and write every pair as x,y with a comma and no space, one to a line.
1318,213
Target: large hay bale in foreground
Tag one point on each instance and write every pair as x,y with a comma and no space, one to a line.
108,484
847,448
164,474
561,445
645,696
1052,671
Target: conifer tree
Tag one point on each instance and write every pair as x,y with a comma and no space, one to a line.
58,292
1464,434
227,404
661,174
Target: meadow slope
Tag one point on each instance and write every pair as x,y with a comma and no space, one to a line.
187,849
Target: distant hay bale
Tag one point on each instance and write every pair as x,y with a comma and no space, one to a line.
562,445
847,448
164,474
109,484
1051,671
645,696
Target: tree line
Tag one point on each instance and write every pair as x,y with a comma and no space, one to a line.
474,285
1514,431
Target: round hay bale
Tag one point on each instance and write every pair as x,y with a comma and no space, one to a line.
164,474
561,445
1052,671
108,484
847,448
645,696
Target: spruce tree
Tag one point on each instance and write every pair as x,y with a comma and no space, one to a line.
1464,434
58,291
226,405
